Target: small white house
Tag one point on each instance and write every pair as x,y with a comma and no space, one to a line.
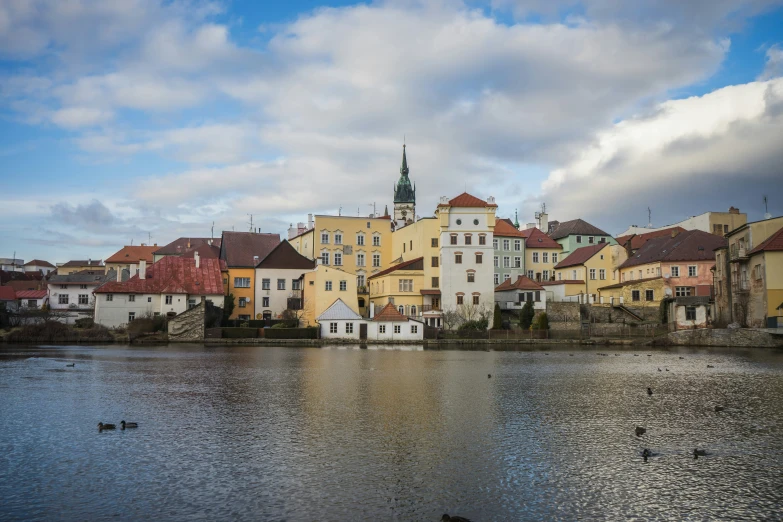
513,295
390,325
32,299
36,264
72,295
340,322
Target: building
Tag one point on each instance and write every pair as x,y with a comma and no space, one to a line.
32,299
578,233
594,264
241,252
36,264
129,257
508,243
404,197
390,325
513,294
78,265
8,301
168,287
340,321
542,253
689,313
321,287
639,292
749,275
718,223
72,294
565,290
399,285
280,277
10,264
637,240
208,248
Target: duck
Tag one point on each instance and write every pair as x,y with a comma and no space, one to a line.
124,424
719,408
649,391
102,426
646,453
636,355
699,453
70,365
640,431
489,376
682,357
455,518
710,366
667,369
659,369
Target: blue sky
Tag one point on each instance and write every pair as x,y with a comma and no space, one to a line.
120,122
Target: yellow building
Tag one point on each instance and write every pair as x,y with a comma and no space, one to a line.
593,266
129,257
640,292
400,285
71,267
322,287
242,251
542,253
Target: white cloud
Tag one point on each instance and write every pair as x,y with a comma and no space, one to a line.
74,117
774,65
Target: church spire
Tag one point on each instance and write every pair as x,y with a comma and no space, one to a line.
404,168
516,219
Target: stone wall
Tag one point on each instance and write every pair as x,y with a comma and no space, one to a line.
609,314
746,337
563,316
188,326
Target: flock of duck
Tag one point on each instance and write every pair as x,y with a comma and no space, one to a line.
123,425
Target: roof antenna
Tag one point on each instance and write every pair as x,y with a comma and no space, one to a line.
340,211
649,218
767,215
213,230
251,222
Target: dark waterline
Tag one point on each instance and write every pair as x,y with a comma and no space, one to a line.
265,433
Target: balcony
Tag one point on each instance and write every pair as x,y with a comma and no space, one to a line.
430,308
362,290
738,254
740,286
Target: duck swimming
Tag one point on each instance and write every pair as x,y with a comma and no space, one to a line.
649,391
718,408
70,365
124,425
102,426
699,453
646,453
455,518
640,431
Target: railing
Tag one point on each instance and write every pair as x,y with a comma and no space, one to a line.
362,290
430,308
738,253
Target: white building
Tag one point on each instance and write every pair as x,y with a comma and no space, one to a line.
32,299
512,295
340,322
390,325
11,264
72,294
168,287
278,281
36,264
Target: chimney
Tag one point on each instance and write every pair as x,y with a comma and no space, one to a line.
530,225
255,260
733,210
142,269
675,232
188,242
543,224
119,275
627,245
196,259
310,221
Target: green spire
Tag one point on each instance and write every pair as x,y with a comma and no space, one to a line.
404,168
403,191
516,219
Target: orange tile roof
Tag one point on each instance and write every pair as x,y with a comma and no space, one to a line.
389,313
466,200
172,275
522,283
505,229
637,240
773,242
133,254
537,239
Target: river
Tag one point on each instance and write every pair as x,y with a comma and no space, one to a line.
342,433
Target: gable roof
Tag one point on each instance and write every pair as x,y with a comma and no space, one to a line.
389,313
286,256
237,249
38,262
576,227
83,262
581,255
637,240
173,275
133,254
8,275
772,243
505,229
537,239
31,284
32,294
522,283
467,200
7,293
180,246
413,264
338,311
84,277
628,283
691,245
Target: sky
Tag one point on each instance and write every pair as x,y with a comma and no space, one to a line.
144,121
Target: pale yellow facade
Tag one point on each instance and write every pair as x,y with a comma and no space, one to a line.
67,270
540,262
322,287
402,287
774,283
420,239
638,293
599,270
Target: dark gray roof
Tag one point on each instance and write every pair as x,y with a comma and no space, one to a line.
85,277
691,245
576,227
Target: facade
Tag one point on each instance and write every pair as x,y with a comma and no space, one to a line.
718,223
32,299
508,243
404,196
168,287
749,275
390,325
8,300
689,313
279,281
595,265
639,292
321,287
72,294
241,252
400,286
578,233
10,264
565,290
74,266
128,258
185,246
542,253
512,295
36,264
340,321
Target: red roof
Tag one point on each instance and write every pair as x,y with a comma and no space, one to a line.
389,313
133,254
173,275
522,283
413,264
7,293
581,255
505,229
772,243
637,240
38,262
537,239
466,200
691,245
240,249
31,294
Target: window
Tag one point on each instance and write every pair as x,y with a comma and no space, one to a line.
349,328
640,274
506,262
482,239
360,240
434,242
675,271
476,299
63,299
328,286
517,245
690,313
169,299
338,239
281,284
63,287
435,282
453,239
149,299
573,275
649,295
131,316
397,328
545,275
602,274
506,244
682,291
458,259
84,299
535,257
506,277
333,328
382,328
405,285
578,239
460,299
414,328
560,276
376,240
517,262
635,295
241,282
82,287
530,274
191,303
368,224
496,261
591,240
497,279
401,309
359,259
265,301
592,274
338,259
131,298
33,303
725,229
495,244
242,302
471,277
479,258
545,257
554,257
692,270
265,284
245,317
468,239
757,271
376,260
324,258
296,284
324,238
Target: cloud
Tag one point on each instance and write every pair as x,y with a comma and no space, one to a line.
74,117
774,64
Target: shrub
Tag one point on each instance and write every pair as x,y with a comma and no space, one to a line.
478,324
57,332
526,315
146,324
542,323
84,322
291,333
497,320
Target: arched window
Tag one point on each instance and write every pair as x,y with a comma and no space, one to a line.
401,310
413,309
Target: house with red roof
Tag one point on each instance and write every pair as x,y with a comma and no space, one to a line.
8,300
542,253
168,287
32,299
129,257
512,295
508,243
594,265
37,264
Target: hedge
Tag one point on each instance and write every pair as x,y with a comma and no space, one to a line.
240,333
291,333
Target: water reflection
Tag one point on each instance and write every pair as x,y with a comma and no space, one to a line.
349,433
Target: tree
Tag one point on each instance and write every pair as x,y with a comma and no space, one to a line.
497,321
526,315
542,323
228,306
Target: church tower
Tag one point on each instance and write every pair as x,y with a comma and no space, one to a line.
404,196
